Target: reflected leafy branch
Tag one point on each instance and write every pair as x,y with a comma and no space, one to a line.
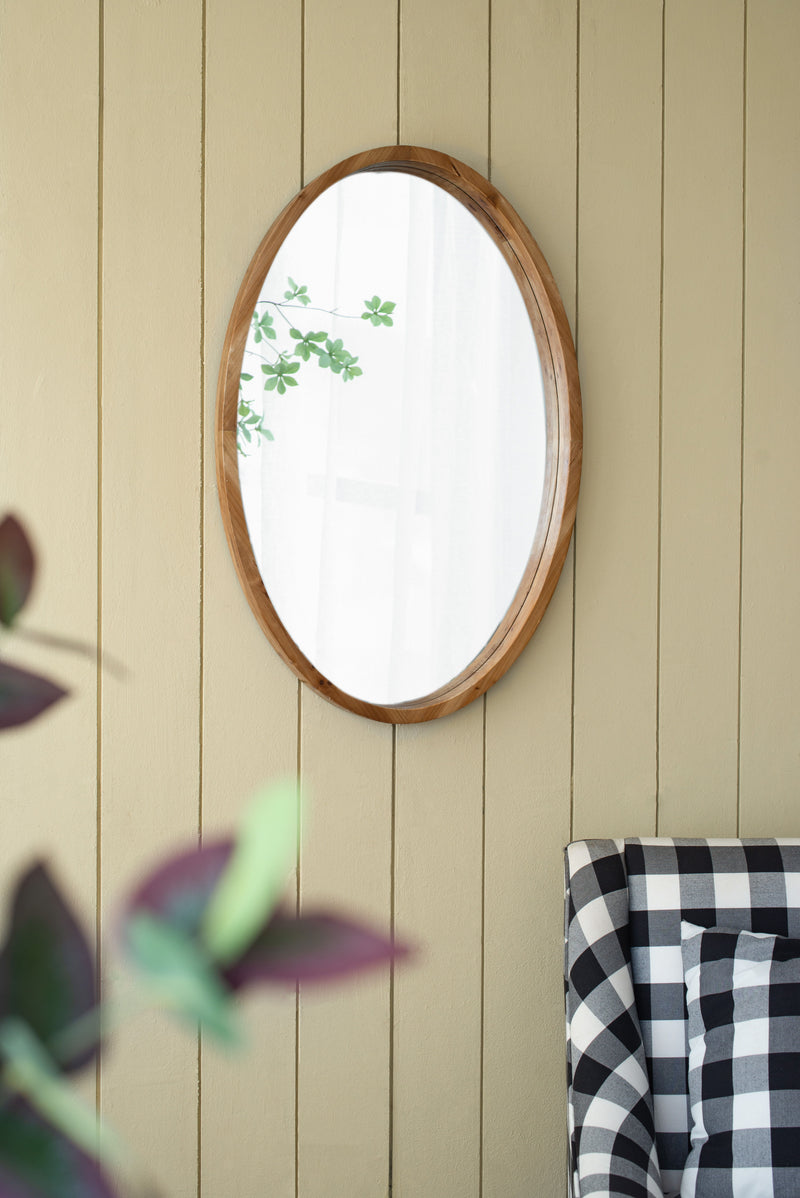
312,344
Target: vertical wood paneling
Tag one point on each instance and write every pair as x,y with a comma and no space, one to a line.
444,102
770,565
444,77
151,521
619,235
350,71
437,1006
529,713
701,445
345,1032
464,1093
48,443
249,708
350,80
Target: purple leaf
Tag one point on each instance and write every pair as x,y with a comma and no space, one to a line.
179,890
316,947
46,968
16,568
36,1161
23,695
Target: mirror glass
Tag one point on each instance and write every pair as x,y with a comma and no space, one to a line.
392,436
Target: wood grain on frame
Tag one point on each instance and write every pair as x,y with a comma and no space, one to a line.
150,525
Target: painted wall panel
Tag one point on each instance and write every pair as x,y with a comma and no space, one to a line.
48,449
619,262
170,136
701,409
770,570
529,713
249,699
346,762
150,494
438,1003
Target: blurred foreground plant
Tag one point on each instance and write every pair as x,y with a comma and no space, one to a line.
204,925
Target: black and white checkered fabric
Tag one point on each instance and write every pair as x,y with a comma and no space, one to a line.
743,997
626,1012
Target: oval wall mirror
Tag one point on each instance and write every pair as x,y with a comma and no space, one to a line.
398,434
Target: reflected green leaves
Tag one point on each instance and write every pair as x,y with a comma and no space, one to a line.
280,371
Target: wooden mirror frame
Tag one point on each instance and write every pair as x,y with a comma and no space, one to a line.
563,421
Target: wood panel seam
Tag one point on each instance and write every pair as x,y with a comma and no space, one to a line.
659,531
741,426
575,319
201,546
99,518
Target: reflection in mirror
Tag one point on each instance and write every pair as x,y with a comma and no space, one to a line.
392,504
399,434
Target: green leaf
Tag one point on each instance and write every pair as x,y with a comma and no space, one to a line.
245,378
291,368
317,336
46,967
31,1072
301,290
281,387
376,320
256,875
365,316
304,299
289,381
324,359
36,1161
388,306
298,336
269,369
292,283
179,973
266,433
387,320
271,384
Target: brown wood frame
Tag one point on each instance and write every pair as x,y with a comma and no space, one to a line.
563,418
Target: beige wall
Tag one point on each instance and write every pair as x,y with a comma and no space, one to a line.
653,150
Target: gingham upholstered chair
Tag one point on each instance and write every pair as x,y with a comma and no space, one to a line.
628,1106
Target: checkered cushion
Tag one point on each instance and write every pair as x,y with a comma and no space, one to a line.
743,996
625,903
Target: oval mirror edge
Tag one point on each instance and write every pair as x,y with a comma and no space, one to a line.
488,666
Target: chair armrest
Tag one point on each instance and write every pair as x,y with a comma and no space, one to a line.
612,1132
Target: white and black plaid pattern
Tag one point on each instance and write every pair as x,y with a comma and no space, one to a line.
743,996
647,886
612,1136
